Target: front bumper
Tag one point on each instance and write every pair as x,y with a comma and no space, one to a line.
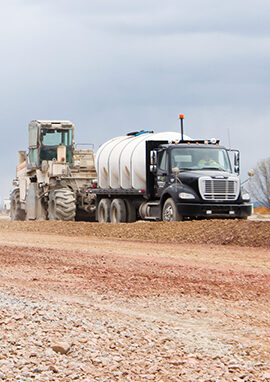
214,210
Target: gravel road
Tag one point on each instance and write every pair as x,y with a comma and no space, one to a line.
134,302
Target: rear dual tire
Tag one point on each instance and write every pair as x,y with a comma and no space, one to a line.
103,211
116,211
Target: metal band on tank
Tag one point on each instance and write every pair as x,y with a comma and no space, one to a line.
131,156
109,156
119,160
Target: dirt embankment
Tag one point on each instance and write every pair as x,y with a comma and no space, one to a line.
220,232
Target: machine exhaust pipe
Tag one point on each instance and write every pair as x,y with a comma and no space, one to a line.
22,157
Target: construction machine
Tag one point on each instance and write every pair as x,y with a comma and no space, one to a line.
52,177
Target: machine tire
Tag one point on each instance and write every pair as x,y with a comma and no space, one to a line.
118,211
131,211
103,211
61,205
170,212
16,212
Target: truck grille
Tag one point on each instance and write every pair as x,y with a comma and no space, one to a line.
219,189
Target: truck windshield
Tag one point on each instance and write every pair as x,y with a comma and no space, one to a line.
200,158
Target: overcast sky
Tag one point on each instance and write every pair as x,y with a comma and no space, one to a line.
113,66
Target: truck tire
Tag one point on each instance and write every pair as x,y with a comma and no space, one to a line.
118,211
131,211
170,212
16,212
61,205
103,211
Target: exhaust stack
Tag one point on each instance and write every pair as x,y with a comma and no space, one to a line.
61,154
181,118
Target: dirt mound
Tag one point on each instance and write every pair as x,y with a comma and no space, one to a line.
220,232
262,210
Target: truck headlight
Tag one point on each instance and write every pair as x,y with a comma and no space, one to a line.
186,195
245,196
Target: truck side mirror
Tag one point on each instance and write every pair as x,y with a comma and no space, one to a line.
237,162
153,157
153,161
153,168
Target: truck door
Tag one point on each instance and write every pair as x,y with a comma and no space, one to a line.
162,172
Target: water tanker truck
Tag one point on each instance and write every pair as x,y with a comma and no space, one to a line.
167,176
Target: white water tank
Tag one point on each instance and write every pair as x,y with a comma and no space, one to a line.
120,162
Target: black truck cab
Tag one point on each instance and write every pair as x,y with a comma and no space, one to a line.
194,179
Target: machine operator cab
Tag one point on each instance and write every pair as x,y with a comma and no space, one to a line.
50,140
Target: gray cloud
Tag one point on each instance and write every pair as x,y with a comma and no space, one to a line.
113,66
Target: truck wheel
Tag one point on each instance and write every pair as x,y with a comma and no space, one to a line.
61,205
131,211
170,212
118,211
103,211
16,212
